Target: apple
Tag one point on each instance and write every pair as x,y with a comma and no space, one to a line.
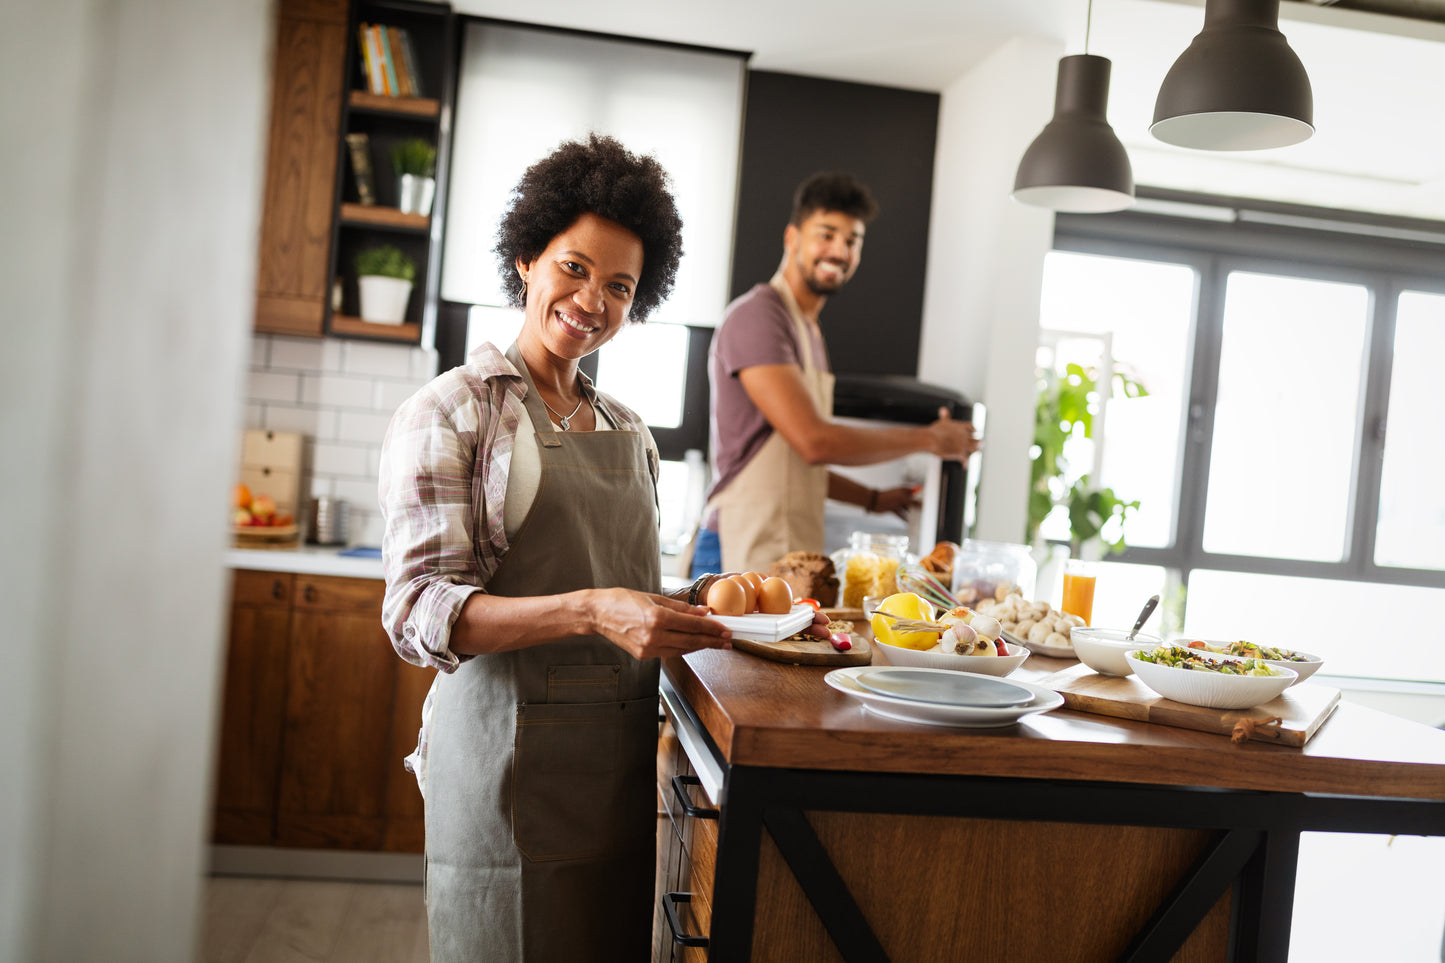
263,506
240,517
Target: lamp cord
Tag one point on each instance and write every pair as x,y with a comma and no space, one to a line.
1088,24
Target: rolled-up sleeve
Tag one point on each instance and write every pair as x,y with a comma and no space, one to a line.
428,462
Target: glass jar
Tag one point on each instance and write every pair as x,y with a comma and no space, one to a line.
992,570
868,567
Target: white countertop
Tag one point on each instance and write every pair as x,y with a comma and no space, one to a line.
327,560
306,559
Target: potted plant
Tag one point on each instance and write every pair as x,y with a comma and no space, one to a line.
415,163
384,276
1066,407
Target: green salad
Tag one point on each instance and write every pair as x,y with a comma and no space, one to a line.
1179,658
1250,650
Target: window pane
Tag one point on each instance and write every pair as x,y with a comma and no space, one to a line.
645,367
1147,308
1284,426
1411,528
1392,637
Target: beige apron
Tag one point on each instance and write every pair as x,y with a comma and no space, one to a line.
541,781
774,505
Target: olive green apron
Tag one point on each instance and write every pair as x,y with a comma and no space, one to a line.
541,779
775,504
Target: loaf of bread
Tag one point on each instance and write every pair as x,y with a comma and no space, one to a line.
809,575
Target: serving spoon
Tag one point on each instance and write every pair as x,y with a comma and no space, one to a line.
1144,614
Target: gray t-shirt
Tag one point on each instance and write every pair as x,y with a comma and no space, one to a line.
756,330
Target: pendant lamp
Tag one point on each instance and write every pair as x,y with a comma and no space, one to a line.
1076,164
1238,86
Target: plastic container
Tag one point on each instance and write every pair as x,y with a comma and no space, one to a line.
991,570
869,566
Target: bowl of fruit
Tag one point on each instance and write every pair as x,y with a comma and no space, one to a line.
256,516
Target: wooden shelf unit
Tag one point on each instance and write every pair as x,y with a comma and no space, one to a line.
374,215
387,121
355,327
364,101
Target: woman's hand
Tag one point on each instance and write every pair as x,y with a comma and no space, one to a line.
953,439
653,626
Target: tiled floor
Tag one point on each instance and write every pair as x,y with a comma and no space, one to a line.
310,921
1357,898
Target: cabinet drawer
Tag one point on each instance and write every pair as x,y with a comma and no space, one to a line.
335,594
262,588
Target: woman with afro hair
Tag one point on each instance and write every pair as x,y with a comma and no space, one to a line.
522,560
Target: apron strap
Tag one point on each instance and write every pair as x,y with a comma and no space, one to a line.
547,434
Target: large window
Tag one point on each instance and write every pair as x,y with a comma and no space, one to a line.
1291,462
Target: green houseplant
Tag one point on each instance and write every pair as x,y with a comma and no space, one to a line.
384,278
415,163
1066,406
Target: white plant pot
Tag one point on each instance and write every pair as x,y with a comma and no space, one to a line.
383,300
414,194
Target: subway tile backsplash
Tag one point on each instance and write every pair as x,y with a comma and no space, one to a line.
339,395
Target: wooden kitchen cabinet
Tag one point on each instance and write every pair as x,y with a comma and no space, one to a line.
309,66
318,715
686,857
253,708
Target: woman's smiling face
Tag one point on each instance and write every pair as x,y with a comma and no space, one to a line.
580,288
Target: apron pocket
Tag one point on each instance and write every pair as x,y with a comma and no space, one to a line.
578,773
571,684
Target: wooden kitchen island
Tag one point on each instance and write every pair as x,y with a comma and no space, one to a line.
802,827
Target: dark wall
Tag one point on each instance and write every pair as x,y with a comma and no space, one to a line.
795,126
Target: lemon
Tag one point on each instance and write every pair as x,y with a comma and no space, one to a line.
905,605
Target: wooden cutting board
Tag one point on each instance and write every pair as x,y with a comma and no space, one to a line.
808,652
1301,709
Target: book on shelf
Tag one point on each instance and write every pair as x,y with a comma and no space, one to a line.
359,147
403,82
388,59
408,60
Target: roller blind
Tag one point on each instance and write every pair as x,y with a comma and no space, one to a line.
524,91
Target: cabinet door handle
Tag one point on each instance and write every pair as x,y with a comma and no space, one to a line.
310,593
688,806
669,909
277,592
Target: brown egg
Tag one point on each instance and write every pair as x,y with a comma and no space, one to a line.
755,580
750,593
726,597
776,597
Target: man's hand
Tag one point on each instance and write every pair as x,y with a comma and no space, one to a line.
953,439
896,500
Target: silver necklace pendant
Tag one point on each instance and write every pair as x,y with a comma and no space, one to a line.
565,424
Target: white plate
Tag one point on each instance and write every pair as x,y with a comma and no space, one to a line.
934,714
767,628
1038,648
954,689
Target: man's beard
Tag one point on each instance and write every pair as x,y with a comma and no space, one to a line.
823,288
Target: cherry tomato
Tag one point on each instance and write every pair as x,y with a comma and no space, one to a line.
813,602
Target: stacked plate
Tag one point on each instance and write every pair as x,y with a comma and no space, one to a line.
942,697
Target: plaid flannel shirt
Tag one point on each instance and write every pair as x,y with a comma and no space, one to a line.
443,483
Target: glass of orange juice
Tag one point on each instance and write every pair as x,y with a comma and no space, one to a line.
1079,578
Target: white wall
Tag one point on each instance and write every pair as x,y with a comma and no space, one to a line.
339,396
985,265
132,172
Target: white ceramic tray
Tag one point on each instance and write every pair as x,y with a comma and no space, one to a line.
767,628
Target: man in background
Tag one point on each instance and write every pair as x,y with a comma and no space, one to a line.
772,433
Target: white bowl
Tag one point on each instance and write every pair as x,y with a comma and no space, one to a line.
1303,669
938,659
1103,649
1212,690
